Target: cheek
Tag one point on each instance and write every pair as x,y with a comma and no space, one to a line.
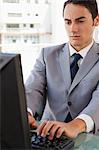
87,31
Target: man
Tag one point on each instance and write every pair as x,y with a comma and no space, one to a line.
73,103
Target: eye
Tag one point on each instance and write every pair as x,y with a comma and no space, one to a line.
67,22
80,21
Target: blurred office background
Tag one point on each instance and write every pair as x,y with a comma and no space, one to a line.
28,25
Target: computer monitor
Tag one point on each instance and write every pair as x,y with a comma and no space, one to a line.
14,131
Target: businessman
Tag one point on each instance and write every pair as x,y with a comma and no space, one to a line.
66,77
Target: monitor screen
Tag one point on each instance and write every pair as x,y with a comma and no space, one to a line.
14,133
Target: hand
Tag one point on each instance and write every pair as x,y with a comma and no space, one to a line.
32,121
56,128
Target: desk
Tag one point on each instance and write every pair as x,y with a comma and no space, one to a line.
86,142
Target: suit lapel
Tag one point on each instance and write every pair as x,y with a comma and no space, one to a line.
65,66
90,60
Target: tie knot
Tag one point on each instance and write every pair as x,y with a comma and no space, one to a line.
76,57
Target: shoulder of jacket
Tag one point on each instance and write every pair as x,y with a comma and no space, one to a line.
54,48
97,43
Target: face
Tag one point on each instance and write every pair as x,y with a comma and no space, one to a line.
79,25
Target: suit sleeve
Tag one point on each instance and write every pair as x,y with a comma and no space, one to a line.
35,87
93,109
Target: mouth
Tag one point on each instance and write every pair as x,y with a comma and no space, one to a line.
73,36
76,37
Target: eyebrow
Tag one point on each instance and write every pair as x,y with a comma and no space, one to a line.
76,18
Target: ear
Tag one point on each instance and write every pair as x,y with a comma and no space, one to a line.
96,20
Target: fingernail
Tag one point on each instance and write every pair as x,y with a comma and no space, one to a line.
58,136
38,132
50,138
42,135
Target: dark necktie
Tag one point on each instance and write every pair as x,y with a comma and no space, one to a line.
74,65
73,68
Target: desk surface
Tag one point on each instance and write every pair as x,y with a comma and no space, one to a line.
86,142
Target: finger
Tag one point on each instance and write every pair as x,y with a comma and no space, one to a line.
47,128
53,131
60,131
34,124
32,121
40,127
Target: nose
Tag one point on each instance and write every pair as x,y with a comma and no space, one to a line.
74,27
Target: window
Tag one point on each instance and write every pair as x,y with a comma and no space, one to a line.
14,15
28,14
36,14
24,25
31,25
11,1
28,1
12,25
34,39
36,1
25,40
14,40
46,1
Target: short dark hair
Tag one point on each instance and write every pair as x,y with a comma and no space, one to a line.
91,5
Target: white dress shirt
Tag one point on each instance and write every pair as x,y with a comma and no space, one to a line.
87,119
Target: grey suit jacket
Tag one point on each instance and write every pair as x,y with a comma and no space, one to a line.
51,75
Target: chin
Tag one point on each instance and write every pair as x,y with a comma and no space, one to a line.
75,43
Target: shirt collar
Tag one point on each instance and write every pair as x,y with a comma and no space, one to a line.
82,52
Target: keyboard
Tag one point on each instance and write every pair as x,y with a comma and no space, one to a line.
43,143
